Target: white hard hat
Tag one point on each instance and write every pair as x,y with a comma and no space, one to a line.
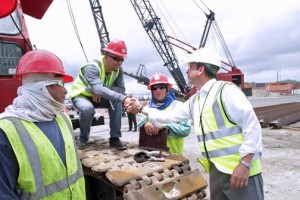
205,55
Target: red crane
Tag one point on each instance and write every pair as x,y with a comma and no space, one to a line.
229,70
15,42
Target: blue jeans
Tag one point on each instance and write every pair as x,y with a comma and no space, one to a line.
86,109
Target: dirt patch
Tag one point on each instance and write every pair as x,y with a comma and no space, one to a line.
280,162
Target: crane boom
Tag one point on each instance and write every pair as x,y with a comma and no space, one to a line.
140,76
154,28
142,79
100,23
210,18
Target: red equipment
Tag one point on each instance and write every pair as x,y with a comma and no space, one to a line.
7,7
117,47
15,42
41,61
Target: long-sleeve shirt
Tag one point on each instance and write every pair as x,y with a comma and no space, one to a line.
9,167
238,109
114,93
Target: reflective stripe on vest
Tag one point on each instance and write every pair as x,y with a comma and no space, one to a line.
223,138
74,180
81,85
222,132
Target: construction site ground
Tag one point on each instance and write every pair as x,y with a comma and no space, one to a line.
281,150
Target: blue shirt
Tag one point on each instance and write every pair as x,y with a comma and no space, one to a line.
9,167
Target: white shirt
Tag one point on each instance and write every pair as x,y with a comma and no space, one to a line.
238,109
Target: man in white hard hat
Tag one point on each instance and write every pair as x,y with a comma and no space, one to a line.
228,131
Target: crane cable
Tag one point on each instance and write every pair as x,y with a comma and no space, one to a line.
173,21
213,22
224,45
162,13
20,32
75,28
219,34
201,7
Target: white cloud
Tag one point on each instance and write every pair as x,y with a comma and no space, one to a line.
262,35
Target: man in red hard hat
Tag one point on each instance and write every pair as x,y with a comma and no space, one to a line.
34,131
100,83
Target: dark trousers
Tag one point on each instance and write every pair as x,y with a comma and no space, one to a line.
87,111
132,120
220,187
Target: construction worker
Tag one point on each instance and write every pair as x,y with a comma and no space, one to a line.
100,84
228,131
163,99
38,154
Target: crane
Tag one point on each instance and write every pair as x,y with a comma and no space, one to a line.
103,34
233,74
100,23
155,30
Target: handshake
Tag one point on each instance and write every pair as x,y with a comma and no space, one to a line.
132,105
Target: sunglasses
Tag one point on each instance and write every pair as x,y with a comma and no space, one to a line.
61,83
160,86
117,59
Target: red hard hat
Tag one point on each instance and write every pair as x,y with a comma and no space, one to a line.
117,47
159,78
7,7
41,61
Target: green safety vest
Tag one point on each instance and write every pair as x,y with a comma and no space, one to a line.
222,137
42,174
81,85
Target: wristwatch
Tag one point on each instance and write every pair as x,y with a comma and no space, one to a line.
141,108
248,165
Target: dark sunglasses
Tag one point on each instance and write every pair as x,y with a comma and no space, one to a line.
160,86
117,59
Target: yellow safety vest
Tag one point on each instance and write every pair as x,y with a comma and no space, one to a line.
42,174
81,85
219,138
175,144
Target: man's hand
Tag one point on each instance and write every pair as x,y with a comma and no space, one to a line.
127,101
150,129
239,177
96,98
134,106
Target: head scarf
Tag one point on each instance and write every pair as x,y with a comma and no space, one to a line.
34,103
160,105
